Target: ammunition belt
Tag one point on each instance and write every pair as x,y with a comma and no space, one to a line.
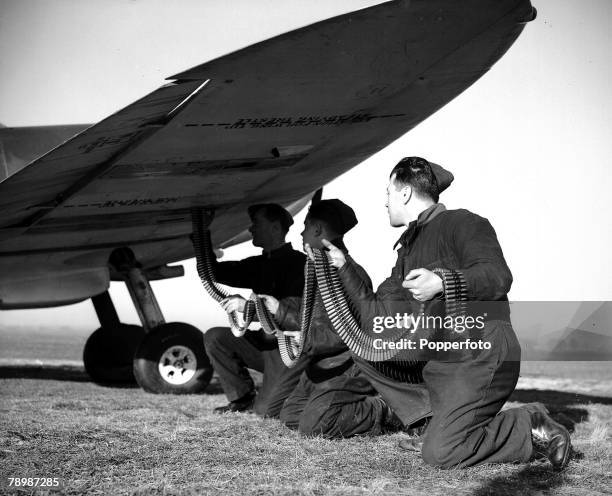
359,341
318,276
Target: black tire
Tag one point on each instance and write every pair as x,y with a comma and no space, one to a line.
109,353
155,370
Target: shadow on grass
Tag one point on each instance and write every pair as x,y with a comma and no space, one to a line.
560,404
56,373
49,372
557,398
531,480
74,374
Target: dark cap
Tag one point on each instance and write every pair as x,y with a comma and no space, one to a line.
425,177
340,217
443,177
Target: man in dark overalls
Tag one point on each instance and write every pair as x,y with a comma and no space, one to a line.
278,271
445,254
333,397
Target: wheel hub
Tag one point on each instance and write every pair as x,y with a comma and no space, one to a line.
177,365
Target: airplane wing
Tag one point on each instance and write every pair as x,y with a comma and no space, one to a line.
271,122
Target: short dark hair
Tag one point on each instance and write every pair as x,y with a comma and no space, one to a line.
416,172
273,212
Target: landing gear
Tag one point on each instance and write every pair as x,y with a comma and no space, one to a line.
171,359
109,351
161,357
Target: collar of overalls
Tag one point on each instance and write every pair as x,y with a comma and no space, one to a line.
424,217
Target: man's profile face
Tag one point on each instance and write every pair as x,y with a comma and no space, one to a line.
310,234
262,230
395,202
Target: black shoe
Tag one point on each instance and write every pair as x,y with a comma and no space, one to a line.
390,422
548,437
418,428
244,404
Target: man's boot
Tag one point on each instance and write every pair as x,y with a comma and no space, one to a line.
548,437
390,422
243,404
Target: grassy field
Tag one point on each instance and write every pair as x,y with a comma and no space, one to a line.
101,440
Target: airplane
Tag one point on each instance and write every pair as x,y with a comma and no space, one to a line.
83,205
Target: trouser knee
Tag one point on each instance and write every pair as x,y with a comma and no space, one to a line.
315,429
312,424
214,336
439,453
288,418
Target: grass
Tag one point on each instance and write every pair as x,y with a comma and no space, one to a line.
102,440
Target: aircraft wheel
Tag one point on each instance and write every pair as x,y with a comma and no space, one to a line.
171,360
109,353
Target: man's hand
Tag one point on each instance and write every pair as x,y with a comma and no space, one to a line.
271,303
423,284
335,255
233,303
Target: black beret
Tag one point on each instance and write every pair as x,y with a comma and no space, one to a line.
443,177
340,217
411,165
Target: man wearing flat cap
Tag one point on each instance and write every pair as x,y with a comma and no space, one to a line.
332,398
278,271
452,259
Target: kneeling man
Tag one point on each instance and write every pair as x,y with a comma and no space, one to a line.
333,398
454,255
278,271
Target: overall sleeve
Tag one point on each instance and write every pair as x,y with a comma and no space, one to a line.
239,274
390,298
481,261
288,314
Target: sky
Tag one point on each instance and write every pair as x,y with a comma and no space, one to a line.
529,143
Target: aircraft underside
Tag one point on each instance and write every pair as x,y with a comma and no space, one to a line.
273,122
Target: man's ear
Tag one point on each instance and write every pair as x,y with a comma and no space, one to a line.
406,194
318,228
